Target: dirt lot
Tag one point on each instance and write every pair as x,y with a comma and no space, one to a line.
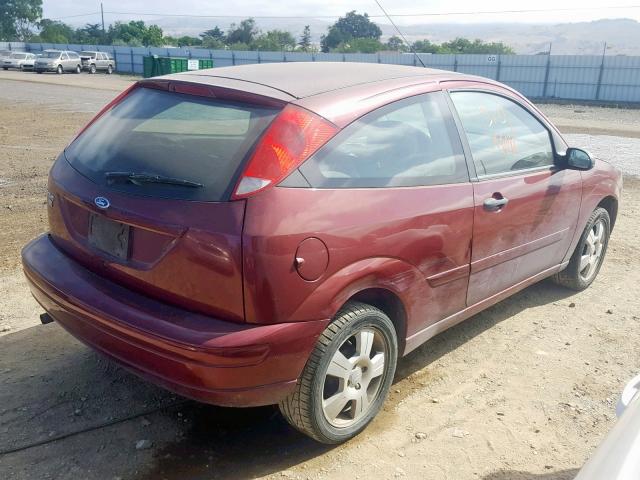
522,391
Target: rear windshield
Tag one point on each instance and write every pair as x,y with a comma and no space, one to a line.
185,137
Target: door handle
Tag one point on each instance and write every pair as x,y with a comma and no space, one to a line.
494,204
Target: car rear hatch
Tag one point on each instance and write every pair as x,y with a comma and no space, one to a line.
142,195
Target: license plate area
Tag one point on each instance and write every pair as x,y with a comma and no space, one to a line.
109,236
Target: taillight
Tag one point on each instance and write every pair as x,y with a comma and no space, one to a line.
292,137
105,109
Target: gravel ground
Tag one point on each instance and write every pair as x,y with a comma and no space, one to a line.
522,391
623,152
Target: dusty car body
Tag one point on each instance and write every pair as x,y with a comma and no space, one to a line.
338,217
19,61
58,61
94,61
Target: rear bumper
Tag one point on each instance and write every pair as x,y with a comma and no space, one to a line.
197,356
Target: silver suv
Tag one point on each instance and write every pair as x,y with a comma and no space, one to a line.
58,61
94,61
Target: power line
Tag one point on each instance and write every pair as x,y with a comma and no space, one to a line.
415,55
397,15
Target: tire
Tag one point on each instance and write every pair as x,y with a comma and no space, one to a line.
364,383
78,69
591,248
5,68
59,70
92,69
109,70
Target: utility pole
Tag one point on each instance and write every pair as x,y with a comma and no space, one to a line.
102,15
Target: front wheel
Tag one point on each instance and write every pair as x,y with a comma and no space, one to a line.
587,258
78,69
347,377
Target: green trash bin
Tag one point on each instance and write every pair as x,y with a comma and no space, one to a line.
154,66
149,67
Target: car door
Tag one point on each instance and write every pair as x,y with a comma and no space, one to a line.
102,61
399,190
525,207
64,61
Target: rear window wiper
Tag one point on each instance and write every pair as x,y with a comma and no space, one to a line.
142,178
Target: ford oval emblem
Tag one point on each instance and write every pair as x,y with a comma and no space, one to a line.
101,202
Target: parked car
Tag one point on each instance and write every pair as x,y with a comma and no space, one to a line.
97,61
282,233
618,457
5,54
20,61
58,61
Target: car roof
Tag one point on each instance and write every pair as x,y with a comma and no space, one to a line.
304,79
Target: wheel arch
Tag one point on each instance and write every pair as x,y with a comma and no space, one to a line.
392,306
610,204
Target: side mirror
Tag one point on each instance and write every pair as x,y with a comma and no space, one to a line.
578,159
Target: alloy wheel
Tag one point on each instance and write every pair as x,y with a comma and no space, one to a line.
592,250
354,377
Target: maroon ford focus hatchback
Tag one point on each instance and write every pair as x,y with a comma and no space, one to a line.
283,233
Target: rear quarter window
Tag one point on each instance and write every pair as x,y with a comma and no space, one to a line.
412,142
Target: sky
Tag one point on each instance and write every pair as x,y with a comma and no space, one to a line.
69,10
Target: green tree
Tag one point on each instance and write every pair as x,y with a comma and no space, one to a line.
17,18
239,46
395,43
135,34
91,33
152,36
245,33
352,25
360,45
214,38
425,46
463,45
274,40
305,39
53,31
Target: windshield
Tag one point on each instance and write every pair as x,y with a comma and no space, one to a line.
19,56
51,54
185,137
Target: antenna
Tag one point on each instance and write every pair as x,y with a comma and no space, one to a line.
400,33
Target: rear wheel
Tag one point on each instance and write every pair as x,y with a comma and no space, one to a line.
109,70
587,258
347,376
59,70
5,68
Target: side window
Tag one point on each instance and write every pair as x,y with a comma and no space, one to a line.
64,56
502,135
410,142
